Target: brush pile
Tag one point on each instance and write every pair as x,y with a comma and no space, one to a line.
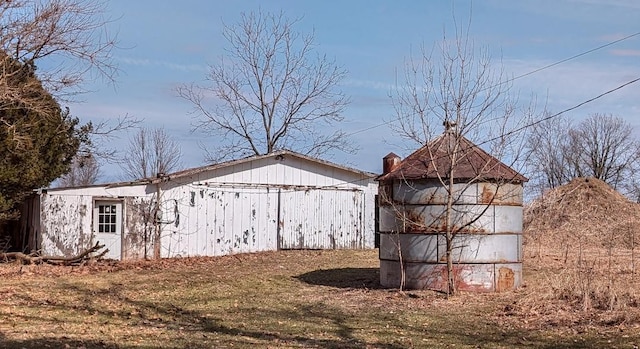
585,214
582,240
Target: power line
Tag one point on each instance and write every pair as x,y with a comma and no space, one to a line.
549,117
522,127
576,56
533,72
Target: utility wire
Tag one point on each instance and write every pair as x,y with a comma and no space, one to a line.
549,117
530,73
477,145
576,56
542,119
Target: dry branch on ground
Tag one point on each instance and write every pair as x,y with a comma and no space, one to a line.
89,255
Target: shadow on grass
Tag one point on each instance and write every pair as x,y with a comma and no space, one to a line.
359,278
56,343
184,323
258,325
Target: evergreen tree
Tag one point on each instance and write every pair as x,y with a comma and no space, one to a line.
38,138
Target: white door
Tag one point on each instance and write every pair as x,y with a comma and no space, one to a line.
322,219
107,226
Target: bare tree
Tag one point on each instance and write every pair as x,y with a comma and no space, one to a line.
271,91
69,34
461,90
549,147
84,171
61,43
151,152
601,146
100,136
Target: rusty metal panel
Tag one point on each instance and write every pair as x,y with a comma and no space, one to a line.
465,218
432,218
508,276
389,221
499,194
473,248
467,277
467,248
413,247
66,224
508,219
432,192
322,219
417,276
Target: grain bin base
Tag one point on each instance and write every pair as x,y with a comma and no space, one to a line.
492,277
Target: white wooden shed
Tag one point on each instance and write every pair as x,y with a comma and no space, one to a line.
282,200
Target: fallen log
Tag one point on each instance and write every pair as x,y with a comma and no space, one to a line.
88,255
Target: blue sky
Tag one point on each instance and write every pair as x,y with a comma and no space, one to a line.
168,43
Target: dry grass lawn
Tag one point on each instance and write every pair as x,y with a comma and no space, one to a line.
286,299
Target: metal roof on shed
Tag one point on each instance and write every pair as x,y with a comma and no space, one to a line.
279,153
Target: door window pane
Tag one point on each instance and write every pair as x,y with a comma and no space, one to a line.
107,218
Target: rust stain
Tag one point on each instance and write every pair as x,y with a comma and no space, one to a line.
487,196
506,279
415,224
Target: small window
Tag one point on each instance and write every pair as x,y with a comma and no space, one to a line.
107,218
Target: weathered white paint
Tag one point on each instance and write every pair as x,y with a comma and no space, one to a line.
66,224
322,219
283,200
219,221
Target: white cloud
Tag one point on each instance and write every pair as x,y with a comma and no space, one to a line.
626,53
164,64
370,84
625,4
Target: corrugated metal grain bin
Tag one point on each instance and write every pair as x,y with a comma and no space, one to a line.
484,222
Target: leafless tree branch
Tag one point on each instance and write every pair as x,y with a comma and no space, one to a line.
151,152
270,92
456,85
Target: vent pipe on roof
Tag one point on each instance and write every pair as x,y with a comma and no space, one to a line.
450,126
390,162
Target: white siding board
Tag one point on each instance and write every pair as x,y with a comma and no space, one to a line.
228,220
66,224
322,219
234,210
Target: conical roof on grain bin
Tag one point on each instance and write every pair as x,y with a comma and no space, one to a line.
433,160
